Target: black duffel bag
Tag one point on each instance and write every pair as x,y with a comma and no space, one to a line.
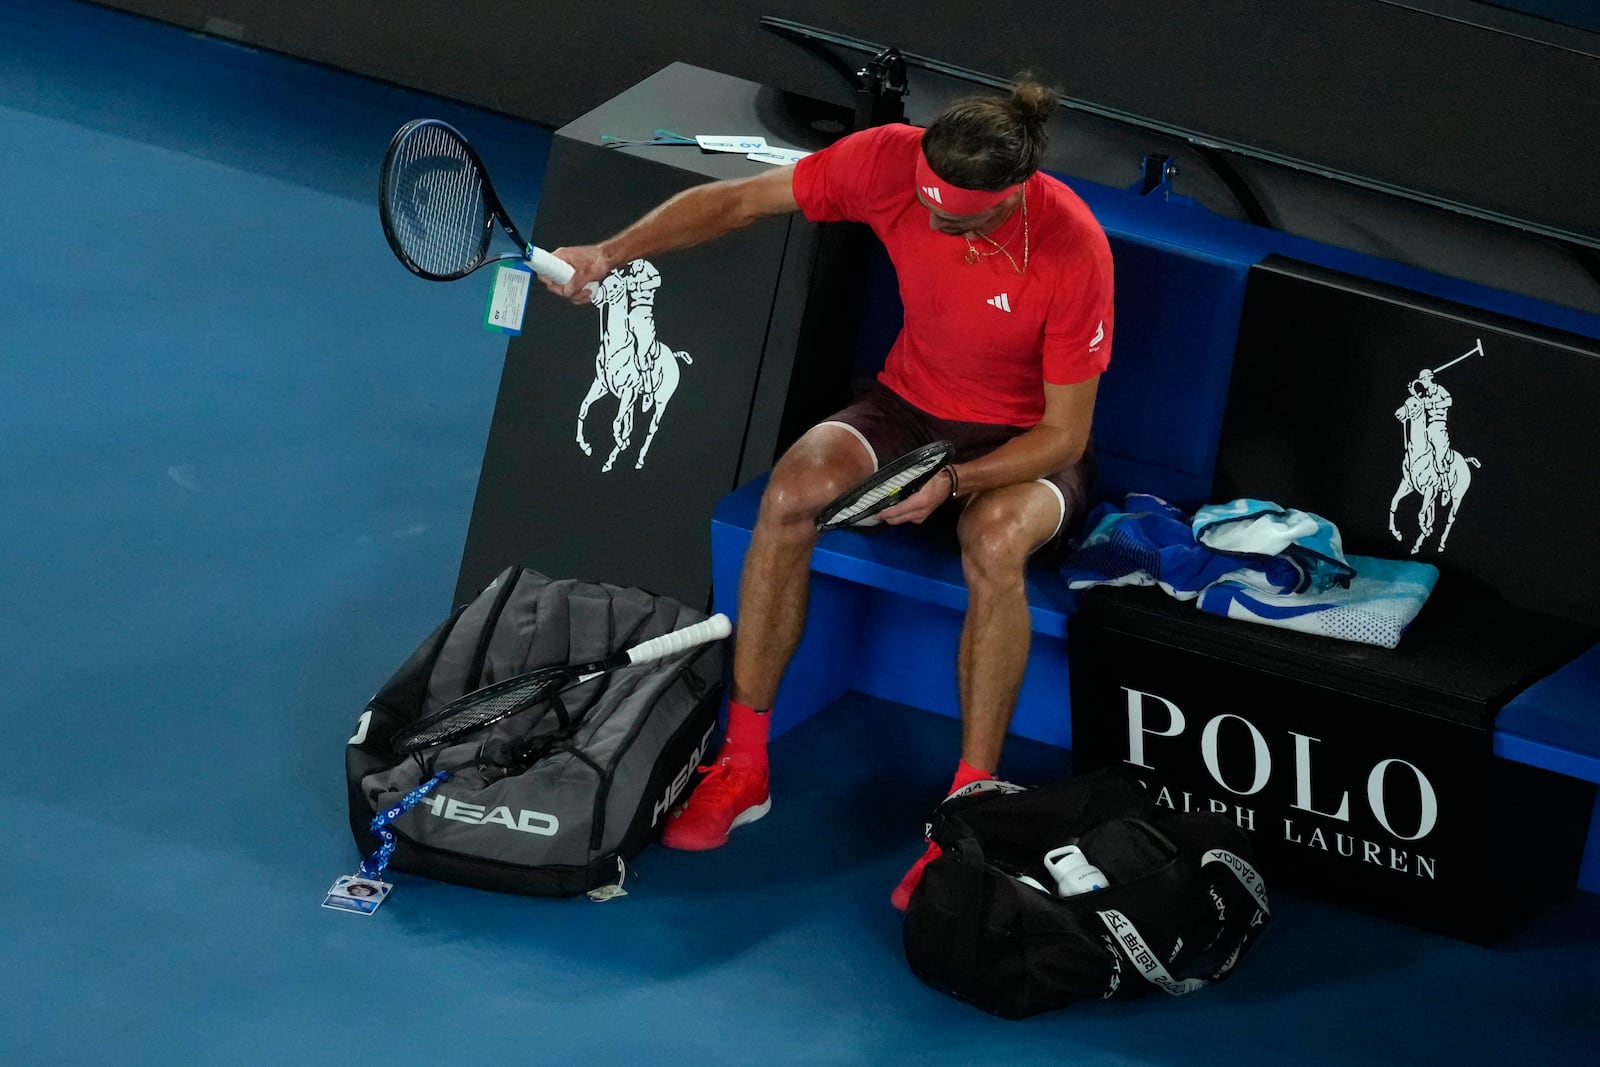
1182,901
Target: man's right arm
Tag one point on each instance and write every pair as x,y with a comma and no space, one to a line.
689,218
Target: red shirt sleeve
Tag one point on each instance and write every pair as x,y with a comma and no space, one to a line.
1077,334
849,180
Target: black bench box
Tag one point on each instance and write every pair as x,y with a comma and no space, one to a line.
1365,776
732,320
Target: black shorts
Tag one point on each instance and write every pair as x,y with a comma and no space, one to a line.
889,426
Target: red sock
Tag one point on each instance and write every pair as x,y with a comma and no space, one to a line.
747,734
966,774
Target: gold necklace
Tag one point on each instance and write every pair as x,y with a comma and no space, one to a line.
973,255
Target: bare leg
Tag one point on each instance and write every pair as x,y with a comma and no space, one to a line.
998,531
772,594
772,591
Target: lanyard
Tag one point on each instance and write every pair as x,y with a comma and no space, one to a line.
373,865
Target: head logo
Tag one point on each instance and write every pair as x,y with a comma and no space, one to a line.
528,822
676,787
631,364
1430,467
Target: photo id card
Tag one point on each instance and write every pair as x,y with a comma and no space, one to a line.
352,892
508,299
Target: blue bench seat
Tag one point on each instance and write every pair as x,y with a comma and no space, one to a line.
1555,724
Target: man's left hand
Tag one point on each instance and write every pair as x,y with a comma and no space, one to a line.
919,505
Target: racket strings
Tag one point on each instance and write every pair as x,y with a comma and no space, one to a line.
890,487
479,713
443,214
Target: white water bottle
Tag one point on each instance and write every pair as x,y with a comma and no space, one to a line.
1072,871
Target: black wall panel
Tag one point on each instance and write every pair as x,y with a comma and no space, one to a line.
1329,411
1456,108
608,453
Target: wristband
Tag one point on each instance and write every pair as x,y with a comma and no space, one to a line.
955,480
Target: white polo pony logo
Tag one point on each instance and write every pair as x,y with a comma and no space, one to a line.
1431,468
631,365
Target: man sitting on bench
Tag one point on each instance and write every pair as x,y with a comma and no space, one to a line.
1006,281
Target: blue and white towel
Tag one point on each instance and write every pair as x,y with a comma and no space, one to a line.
1252,560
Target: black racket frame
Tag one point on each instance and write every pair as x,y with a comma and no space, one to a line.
940,450
491,199
543,684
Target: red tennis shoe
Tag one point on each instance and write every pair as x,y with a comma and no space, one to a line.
731,794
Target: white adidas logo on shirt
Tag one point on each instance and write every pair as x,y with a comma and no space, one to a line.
1003,302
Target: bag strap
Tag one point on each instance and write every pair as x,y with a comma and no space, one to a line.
1133,945
1149,965
1253,883
1240,869
505,585
965,895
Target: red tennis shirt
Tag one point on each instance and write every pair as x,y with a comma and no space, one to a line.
979,340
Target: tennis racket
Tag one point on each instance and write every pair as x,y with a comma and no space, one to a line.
884,487
440,212
488,705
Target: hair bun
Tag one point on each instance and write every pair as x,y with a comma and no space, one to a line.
988,141
1033,101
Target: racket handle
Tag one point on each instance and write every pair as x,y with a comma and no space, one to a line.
543,263
557,270
713,629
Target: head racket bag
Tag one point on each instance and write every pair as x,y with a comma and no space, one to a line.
554,800
1181,901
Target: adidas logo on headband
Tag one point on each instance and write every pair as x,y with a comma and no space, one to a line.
952,199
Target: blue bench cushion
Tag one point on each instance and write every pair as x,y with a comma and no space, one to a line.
1159,411
1561,711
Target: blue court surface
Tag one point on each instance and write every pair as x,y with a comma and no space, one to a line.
240,450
